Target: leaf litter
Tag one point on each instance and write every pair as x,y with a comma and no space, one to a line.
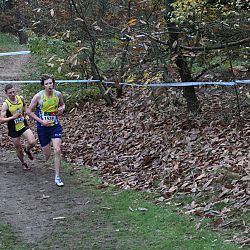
139,145
135,146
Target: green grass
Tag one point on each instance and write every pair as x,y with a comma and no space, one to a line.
8,239
116,222
9,43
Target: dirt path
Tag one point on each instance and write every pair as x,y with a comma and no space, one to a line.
30,201
12,68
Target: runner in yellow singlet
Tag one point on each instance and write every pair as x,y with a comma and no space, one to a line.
44,108
13,113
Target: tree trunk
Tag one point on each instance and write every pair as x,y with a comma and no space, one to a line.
95,72
185,74
23,38
123,58
188,92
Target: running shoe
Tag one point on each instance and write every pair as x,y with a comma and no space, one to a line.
26,167
58,181
31,157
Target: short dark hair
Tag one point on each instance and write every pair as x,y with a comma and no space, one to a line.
7,87
46,77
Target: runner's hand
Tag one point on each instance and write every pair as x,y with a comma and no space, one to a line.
60,110
16,115
46,123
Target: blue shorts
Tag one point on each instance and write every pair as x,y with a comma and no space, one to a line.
45,134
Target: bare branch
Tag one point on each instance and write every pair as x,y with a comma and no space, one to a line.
155,39
208,68
222,46
205,48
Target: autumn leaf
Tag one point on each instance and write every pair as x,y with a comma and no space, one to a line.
132,22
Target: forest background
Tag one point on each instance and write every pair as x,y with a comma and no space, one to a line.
173,141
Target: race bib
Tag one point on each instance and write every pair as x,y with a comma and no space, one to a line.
49,116
19,120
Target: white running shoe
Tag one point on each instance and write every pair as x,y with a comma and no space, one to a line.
58,181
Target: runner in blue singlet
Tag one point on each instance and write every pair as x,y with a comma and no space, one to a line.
44,108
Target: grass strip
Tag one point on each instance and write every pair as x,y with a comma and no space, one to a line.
120,219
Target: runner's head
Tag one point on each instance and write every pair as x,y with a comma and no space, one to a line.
7,87
48,82
10,91
45,77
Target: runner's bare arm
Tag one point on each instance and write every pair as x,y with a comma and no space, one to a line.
24,104
61,104
31,108
3,117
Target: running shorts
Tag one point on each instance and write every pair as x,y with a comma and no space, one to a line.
15,134
45,134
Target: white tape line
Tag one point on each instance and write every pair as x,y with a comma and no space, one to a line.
173,84
24,52
57,81
13,81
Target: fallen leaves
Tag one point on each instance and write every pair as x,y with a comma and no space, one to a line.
138,148
196,160
134,146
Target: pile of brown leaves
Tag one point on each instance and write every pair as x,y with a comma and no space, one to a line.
135,146
139,145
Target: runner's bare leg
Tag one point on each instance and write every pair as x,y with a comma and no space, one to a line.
19,149
46,152
57,154
29,136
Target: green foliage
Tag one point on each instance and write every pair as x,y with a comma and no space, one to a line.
76,95
183,10
8,43
51,53
53,56
8,239
193,11
67,57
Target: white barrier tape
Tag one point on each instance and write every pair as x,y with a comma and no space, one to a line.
172,84
24,52
57,81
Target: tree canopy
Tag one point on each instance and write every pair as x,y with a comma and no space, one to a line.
136,41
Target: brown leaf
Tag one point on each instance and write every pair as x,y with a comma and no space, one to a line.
217,222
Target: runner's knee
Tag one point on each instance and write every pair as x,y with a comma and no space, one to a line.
19,149
46,156
18,146
57,151
32,143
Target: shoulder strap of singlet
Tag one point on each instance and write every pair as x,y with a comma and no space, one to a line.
20,98
56,93
41,95
7,102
